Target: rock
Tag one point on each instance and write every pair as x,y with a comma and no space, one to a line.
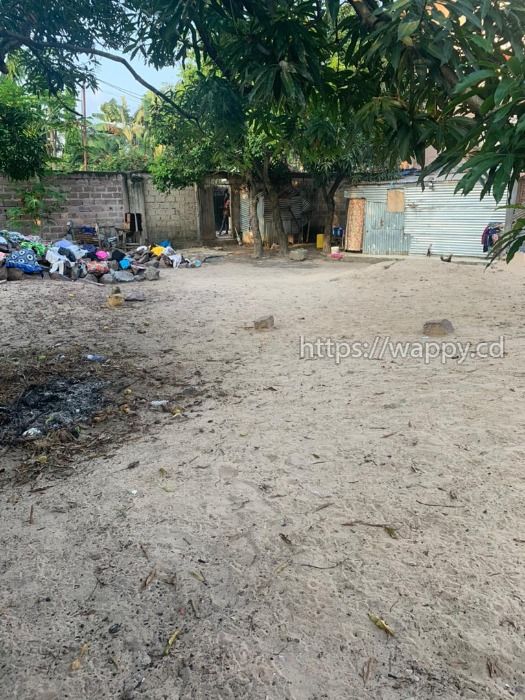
263,323
159,405
298,254
107,278
14,274
140,277
123,276
135,295
438,328
3,273
152,274
113,264
153,263
90,278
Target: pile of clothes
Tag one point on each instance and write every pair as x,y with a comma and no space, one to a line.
65,258
491,235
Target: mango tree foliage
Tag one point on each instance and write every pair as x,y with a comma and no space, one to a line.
23,133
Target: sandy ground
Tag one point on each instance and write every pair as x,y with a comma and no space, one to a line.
232,532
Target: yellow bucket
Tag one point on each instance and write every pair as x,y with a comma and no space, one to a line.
319,240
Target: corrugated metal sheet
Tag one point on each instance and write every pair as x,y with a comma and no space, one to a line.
245,212
294,214
384,231
452,223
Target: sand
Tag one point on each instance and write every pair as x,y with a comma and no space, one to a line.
233,529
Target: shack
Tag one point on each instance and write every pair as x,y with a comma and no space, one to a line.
401,218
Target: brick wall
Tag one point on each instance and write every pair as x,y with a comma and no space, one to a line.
171,215
89,198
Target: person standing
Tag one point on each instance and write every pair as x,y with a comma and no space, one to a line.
225,225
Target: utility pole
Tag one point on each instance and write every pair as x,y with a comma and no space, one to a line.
84,127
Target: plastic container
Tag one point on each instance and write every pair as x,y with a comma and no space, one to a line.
319,240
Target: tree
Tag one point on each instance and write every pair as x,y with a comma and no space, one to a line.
23,133
232,135
452,69
118,140
333,146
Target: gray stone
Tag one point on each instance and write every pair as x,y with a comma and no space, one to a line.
3,273
107,278
135,295
14,274
153,263
263,323
90,278
298,254
123,276
152,274
438,328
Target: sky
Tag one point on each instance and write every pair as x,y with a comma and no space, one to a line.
115,81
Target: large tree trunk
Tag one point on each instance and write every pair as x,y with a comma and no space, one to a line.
271,198
328,220
273,201
254,223
329,199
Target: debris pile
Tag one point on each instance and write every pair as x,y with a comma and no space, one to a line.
22,255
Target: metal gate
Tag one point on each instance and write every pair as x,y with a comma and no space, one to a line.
384,231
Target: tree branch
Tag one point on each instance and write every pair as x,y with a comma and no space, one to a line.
364,13
449,76
210,48
90,51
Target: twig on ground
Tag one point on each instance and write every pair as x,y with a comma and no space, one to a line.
325,505
314,566
437,505
387,528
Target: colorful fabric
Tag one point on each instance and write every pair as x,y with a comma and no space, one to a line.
97,267
102,254
14,237
39,248
56,261
157,250
25,260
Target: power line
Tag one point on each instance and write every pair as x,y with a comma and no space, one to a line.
123,90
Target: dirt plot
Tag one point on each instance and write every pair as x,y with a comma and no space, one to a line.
280,528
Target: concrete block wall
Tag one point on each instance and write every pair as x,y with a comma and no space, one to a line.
171,215
89,198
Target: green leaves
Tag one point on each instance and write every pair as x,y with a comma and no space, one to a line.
407,29
23,137
474,79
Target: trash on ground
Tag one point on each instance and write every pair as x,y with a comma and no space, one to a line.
171,642
381,624
66,259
